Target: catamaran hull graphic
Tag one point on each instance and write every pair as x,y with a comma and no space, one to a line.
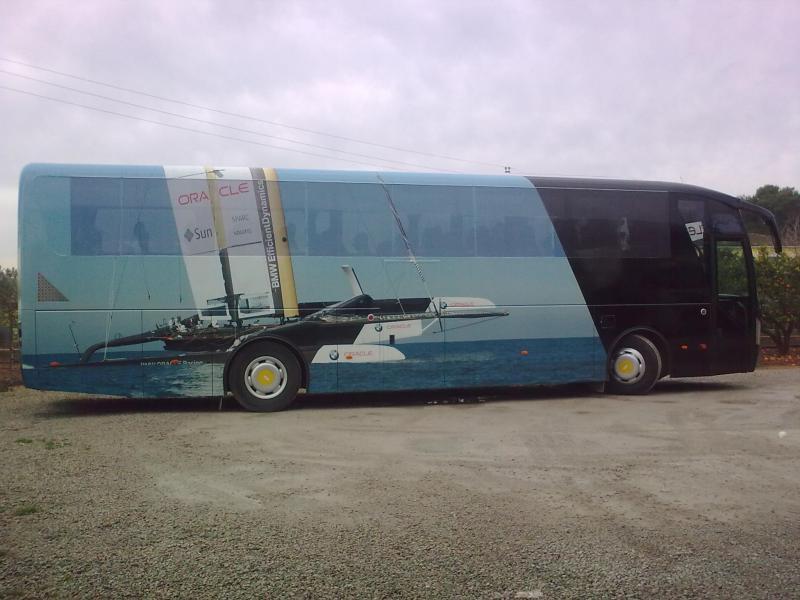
357,326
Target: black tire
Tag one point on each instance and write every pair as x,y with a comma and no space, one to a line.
634,366
264,377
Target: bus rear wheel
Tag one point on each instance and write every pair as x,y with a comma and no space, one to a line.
634,366
264,377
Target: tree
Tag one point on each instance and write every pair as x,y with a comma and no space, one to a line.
8,298
790,233
779,294
784,203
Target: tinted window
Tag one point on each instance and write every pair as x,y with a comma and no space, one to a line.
337,219
121,216
689,237
611,223
690,226
508,224
330,219
724,219
439,220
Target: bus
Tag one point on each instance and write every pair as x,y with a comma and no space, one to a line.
265,283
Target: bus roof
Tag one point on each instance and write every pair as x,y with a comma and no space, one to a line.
660,186
396,177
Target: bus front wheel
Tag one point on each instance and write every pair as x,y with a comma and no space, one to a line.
264,377
634,366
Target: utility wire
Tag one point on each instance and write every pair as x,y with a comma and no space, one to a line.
200,131
252,118
217,124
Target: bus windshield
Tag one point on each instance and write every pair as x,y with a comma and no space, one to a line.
761,227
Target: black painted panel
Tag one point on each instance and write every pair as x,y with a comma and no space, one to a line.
631,287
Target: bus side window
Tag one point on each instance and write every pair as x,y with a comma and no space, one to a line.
510,224
439,220
689,235
296,232
113,216
148,225
344,219
611,223
95,215
87,239
326,233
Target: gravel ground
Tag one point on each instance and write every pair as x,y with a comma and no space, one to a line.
689,492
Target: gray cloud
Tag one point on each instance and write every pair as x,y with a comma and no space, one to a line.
703,92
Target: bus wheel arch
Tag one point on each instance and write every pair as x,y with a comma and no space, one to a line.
265,374
635,363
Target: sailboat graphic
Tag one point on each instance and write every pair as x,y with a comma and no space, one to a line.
233,218
234,213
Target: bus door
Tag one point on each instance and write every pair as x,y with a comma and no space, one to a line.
733,306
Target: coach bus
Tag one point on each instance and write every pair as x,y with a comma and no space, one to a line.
263,283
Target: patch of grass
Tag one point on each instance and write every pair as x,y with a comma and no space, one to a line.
26,509
53,443
49,444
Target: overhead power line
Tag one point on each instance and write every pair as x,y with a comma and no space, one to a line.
217,124
200,131
253,118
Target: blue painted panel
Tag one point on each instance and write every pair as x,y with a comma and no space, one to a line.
484,238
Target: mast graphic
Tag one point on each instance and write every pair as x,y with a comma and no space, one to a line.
231,299
409,250
275,238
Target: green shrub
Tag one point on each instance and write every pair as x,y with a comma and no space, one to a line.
778,280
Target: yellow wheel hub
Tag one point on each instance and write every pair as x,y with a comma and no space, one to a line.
628,366
265,377
625,366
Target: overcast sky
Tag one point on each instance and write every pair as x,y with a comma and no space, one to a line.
702,92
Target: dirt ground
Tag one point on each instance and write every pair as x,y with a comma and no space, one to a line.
692,491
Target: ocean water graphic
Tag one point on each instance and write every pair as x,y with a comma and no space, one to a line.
478,364
427,366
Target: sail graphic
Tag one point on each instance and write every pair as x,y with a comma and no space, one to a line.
275,238
233,239
191,207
